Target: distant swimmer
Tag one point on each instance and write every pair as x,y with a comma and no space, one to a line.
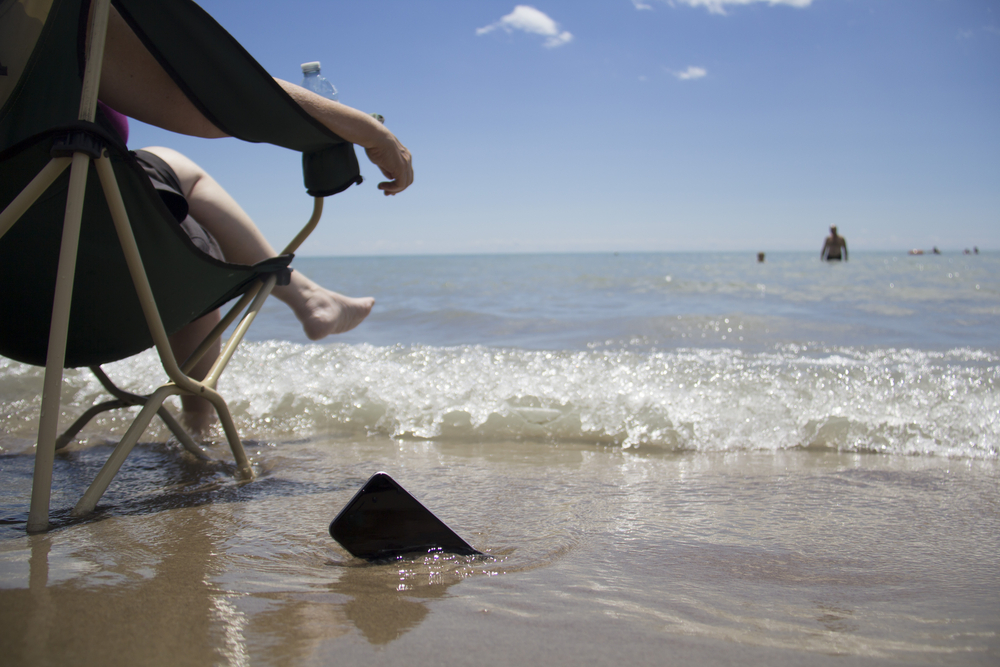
935,250
760,257
833,246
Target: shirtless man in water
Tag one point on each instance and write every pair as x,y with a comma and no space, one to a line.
133,83
833,245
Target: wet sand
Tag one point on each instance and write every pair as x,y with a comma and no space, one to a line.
595,556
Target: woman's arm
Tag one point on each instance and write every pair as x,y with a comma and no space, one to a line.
381,145
133,83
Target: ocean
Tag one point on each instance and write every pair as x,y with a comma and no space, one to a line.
664,457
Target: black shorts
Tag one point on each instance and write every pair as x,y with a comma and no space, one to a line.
165,180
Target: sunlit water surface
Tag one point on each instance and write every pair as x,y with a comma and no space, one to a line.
664,458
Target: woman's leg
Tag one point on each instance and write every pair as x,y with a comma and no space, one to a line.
321,311
197,413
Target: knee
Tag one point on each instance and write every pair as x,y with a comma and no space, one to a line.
187,170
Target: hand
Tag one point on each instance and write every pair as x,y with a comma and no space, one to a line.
395,162
361,129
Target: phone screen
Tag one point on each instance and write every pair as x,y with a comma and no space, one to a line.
383,520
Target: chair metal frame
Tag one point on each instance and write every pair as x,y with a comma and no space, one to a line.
180,382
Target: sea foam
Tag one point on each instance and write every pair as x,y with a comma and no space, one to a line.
894,401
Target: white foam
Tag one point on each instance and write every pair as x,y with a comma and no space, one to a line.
867,400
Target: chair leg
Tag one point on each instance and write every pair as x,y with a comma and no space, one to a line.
182,436
48,425
70,433
242,463
135,399
233,437
123,399
154,403
240,331
114,462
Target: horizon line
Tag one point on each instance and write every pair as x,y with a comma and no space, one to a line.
947,252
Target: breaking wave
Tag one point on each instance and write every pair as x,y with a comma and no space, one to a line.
894,401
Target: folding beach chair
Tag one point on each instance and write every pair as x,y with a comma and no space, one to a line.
93,266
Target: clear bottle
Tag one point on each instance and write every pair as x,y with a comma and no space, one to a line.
316,82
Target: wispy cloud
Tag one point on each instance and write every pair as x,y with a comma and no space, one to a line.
530,20
640,5
972,33
719,6
691,73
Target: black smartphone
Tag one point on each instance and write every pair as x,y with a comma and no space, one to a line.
382,520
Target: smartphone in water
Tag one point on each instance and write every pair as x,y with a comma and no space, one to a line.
382,520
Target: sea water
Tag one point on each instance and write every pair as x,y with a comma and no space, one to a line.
686,352
695,452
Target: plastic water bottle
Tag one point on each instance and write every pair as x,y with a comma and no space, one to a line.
316,82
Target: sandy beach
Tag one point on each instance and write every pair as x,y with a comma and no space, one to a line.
594,556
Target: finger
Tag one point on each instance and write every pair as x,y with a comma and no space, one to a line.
390,187
396,182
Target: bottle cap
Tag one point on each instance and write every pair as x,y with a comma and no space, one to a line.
310,67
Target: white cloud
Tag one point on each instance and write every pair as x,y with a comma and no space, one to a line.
530,20
691,73
719,6
640,5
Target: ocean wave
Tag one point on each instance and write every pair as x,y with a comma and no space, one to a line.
893,401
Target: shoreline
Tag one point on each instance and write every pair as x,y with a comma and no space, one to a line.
594,554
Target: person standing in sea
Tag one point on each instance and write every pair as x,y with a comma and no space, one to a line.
833,246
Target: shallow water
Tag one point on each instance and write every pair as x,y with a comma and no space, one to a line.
665,458
591,551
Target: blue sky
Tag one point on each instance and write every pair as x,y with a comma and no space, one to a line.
627,125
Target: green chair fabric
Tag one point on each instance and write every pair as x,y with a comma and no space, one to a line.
39,111
224,81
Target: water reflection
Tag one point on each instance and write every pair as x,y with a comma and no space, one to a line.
387,600
39,610
115,596
382,602
169,588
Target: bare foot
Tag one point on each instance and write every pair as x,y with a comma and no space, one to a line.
325,312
